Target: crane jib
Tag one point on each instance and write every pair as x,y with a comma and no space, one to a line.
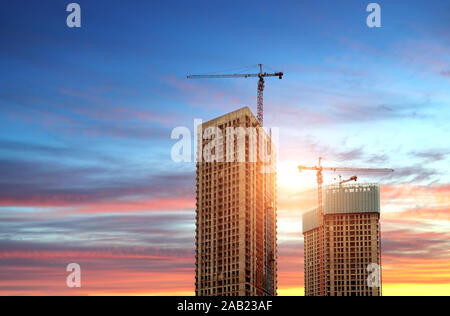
277,74
260,75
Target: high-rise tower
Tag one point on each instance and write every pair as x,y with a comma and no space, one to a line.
236,208
352,262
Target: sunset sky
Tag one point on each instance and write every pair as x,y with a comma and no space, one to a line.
86,116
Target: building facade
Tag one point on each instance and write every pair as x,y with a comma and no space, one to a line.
352,258
236,209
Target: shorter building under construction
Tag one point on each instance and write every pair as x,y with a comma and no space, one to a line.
351,243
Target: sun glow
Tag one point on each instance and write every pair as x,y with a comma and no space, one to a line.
289,178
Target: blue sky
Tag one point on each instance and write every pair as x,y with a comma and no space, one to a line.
86,114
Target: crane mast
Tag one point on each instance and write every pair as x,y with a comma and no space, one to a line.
261,100
261,85
319,169
320,201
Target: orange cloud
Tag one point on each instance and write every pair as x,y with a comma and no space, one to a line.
155,204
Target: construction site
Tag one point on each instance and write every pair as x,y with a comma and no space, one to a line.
237,219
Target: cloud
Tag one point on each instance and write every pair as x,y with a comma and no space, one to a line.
303,200
342,111
163,229
212,95
414,251
409,197
18,149
377,159
151,253
431,155
338,155
48,252
290,263
33,269
28,183
85,113
415,174
408,243
420,213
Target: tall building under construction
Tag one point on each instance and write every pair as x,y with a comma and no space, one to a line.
351,243
236,245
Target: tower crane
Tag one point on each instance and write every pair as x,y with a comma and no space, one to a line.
261,84
319,169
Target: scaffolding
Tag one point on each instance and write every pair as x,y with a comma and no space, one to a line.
352,198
